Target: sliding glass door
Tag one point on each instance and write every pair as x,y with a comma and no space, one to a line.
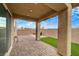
5,30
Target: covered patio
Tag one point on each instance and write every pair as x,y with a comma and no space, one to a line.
27,46
37,13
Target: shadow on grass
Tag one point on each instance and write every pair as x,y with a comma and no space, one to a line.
53,42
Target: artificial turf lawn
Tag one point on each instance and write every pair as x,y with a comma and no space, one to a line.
53,42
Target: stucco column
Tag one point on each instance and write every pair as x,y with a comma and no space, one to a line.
15,32
15,27
37,30
12,30
64,32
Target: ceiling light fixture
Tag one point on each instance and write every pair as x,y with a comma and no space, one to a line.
28,15
30,10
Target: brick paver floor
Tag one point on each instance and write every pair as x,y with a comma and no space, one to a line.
28,46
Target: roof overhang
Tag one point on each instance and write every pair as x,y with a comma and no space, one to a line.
36,12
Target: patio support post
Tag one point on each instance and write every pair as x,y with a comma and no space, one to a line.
15,30
12,30
64,32
37,30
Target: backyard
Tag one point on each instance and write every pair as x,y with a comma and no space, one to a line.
53,42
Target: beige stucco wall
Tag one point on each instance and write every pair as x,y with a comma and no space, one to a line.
51,33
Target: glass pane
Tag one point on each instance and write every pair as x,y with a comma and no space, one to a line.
5,30
8,31
2,22
2,34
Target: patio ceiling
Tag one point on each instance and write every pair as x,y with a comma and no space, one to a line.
35,12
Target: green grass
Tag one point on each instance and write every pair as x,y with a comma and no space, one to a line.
53,42
75,49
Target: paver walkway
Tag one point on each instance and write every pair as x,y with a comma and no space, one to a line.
28,46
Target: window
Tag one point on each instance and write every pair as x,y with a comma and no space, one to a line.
5,30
